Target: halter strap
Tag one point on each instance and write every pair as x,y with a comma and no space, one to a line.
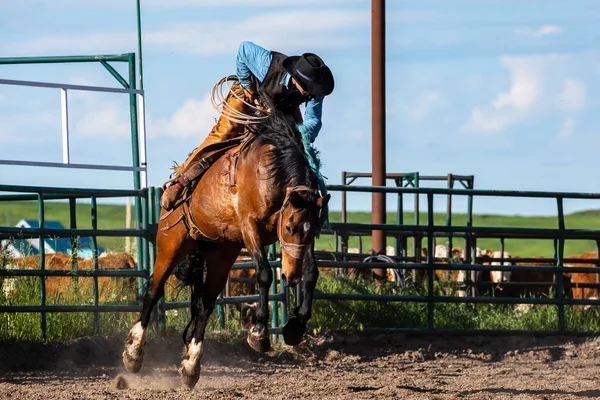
292,249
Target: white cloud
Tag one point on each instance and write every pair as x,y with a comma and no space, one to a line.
544,30
485,121
510,106
547,30
537,85
566,130
195,118
271,30
573,96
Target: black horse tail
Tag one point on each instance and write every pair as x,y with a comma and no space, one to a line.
190,272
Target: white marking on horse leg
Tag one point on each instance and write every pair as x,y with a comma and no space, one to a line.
138,333
189,365
134,348
138,336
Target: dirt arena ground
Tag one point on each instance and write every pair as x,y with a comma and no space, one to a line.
326,367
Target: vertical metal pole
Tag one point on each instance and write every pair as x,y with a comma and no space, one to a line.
450,185
417,247
274,313
399,246
65,125
344,195
449,244
42,247
559,263
94,211
74,242
343,238
285,301
136,163
430,262
139,42
470,204
221,313
471,241
142,141
378,123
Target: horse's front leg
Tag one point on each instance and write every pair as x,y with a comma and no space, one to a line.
170,249
294,328
258,334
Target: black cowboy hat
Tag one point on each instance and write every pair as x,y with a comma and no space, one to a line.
311,73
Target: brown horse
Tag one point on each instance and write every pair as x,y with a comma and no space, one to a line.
276,198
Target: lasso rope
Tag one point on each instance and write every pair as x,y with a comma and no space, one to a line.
218,95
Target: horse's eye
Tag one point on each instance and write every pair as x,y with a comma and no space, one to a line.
288,228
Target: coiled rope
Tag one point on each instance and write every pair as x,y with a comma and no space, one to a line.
219,94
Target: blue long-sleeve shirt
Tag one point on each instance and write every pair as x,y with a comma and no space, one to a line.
255,60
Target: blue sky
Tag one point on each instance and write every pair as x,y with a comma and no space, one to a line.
504,90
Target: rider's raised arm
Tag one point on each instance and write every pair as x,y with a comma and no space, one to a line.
252,60
312,118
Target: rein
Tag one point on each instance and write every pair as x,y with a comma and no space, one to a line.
292,249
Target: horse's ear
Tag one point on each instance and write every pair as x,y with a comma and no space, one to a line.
322,201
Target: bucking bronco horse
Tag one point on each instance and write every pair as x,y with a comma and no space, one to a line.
252,197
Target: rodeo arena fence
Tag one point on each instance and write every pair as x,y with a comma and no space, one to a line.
147,211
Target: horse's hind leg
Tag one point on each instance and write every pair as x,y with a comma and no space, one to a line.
219,260
170,248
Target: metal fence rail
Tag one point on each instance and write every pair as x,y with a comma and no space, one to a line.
280,301
430,230
146,232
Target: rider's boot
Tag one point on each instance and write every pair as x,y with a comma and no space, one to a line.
186,179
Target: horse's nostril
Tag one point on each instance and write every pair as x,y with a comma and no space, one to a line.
283,277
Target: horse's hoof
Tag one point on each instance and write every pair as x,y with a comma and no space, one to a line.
131,363
259,343
293,331
189,376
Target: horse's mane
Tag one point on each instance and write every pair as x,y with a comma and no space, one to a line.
288,165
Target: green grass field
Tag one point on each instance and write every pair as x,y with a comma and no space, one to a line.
113,216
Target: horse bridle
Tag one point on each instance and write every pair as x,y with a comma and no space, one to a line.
292,249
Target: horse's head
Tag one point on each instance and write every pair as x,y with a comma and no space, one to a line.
297,227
